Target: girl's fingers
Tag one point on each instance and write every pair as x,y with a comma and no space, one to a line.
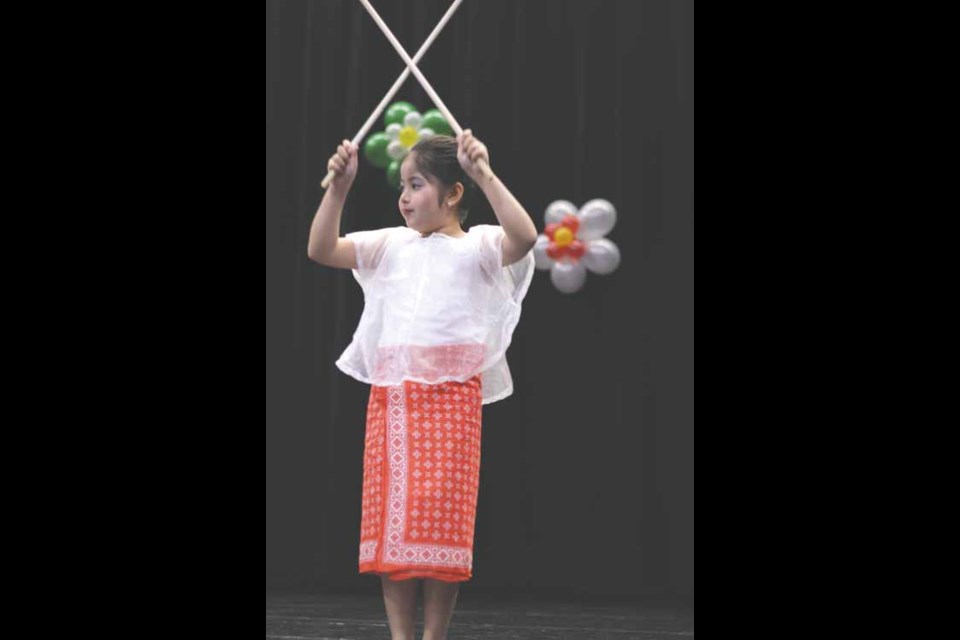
346,152
472,148
475,150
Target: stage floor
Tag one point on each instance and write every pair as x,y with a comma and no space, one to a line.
300,616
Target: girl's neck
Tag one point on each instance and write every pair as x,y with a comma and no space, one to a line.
453,229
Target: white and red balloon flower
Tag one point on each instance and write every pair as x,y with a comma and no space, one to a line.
574,242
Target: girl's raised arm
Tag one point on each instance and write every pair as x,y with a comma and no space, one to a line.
520,234
325,245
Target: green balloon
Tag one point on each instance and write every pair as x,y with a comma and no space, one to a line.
433,119
397,112
393,174
375,150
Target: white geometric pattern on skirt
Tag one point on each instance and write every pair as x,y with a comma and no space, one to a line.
397,551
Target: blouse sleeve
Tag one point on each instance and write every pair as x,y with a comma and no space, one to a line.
369,247
491,249
514,279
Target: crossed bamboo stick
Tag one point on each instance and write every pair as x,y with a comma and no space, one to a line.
411,67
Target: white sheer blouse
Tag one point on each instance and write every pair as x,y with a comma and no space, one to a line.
436,308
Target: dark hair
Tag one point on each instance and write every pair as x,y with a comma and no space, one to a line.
436,157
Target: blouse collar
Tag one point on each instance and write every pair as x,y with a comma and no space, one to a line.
437,233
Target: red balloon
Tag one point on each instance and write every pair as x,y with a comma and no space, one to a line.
571,222
577,248
551,228
556,252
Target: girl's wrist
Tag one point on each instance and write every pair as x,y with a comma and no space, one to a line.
484,182
341,187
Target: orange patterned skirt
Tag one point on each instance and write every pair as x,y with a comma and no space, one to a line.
421,476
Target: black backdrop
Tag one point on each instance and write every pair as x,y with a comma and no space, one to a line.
587,473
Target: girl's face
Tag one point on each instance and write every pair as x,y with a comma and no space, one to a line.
419,199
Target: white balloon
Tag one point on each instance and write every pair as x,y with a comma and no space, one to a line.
541,260
559,208
568,277
393,131
602,256
597,218
425,133
396,150
413,119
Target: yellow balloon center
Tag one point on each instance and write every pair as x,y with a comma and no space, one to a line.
408,136
563,236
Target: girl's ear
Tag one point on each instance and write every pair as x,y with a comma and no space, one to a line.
455,194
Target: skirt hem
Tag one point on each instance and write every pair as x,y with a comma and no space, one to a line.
408,574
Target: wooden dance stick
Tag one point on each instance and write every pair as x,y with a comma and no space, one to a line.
411,65
396,85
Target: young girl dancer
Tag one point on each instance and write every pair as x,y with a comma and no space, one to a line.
440,307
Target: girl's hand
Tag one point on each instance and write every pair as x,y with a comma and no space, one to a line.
344,164
469,152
